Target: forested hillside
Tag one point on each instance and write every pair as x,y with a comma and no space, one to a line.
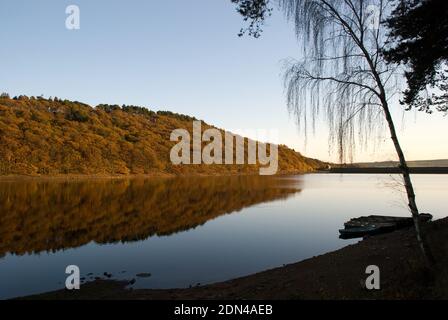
56,137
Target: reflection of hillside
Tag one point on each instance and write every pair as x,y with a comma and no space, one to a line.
39,216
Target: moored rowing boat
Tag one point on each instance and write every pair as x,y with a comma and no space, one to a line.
371,225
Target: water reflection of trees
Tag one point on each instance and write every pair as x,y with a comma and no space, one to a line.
40,216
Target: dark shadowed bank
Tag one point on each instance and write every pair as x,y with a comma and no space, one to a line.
336,275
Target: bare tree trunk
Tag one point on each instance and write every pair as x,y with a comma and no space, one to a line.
421,239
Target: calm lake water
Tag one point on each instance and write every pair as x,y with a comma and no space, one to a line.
185,231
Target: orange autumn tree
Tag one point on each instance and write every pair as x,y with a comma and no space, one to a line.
52,137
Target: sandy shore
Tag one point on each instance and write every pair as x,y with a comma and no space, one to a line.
335,275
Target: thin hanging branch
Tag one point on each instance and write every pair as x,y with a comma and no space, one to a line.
343,74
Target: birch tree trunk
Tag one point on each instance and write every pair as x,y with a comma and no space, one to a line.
421,239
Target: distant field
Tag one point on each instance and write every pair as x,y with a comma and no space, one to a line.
413,164
421,166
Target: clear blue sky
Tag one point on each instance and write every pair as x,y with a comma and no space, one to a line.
183,56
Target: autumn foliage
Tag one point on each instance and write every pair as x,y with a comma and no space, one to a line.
58,137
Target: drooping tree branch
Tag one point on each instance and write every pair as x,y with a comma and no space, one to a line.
343,75
254,11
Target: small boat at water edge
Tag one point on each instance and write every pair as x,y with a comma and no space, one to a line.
359,232
373,225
